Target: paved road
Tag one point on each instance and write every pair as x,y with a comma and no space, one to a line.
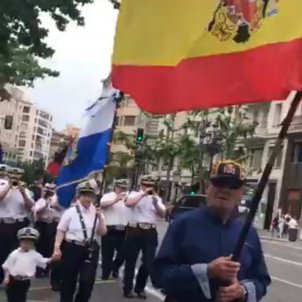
284,260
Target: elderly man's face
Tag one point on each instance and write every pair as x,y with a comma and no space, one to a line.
223,197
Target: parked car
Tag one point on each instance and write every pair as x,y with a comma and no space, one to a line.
184,204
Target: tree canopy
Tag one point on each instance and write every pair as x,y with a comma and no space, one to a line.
23,36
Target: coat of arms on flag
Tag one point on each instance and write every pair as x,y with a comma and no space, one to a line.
239,19
72,153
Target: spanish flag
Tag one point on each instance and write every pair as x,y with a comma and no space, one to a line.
174,55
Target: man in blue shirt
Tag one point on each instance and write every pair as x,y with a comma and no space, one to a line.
194,260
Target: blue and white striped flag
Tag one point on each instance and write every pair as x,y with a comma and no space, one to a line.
88,153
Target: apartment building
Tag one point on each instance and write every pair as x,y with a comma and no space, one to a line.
30,134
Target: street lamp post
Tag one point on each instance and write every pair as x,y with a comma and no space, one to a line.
176,176
211,141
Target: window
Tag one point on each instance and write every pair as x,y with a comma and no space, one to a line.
277,115
23,126
256,158
25,118
26,109
42,123
278,161
22,143
22,134
297,152
129,120
40,131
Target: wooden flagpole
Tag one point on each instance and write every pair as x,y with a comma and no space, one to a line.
265,176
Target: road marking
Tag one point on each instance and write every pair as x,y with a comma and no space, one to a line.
287,282
283,260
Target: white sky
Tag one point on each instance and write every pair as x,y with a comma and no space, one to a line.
83,57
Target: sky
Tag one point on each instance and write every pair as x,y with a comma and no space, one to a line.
83,57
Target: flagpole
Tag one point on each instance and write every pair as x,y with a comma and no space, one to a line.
265,176
117,104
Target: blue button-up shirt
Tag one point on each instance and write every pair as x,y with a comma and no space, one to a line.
195,239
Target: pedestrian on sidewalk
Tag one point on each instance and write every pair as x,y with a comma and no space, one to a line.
77,246
194,263
113,243
141,234
281,225
288,217
275,226
21,265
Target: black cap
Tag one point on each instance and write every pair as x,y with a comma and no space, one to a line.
228,172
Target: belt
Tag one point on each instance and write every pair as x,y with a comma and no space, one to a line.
143,226
10,220
76,242
20,278
116,227
49,221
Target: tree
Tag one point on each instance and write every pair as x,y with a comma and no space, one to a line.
189,156
22,36
34,171
232,125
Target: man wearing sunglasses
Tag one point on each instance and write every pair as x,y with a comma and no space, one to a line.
194,260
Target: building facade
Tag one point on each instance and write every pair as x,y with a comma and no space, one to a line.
31,129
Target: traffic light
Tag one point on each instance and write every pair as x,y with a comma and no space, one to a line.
8,122
139,135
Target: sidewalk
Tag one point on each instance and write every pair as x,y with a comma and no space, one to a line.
266,235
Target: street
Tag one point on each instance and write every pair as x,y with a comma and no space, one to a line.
284,260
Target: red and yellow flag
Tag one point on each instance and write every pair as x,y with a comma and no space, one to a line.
173,55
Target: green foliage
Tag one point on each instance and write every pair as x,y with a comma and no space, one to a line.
22,36
189,155
120,166
34,171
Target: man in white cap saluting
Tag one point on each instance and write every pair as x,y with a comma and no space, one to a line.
146,208
115,211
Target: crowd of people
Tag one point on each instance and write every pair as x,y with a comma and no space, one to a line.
39,238
282,224
194,263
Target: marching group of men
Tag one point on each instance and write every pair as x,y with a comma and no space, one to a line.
193,264
129,219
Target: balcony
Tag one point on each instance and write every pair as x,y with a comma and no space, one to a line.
296,124
294,177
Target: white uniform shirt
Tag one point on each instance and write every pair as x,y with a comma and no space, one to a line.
71,225
52,210
144,211
116,214
293,224
12,206
24,263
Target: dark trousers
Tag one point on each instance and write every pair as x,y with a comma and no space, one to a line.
16,290
9,241
139,240
113,241
56,275
74,268
46,241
